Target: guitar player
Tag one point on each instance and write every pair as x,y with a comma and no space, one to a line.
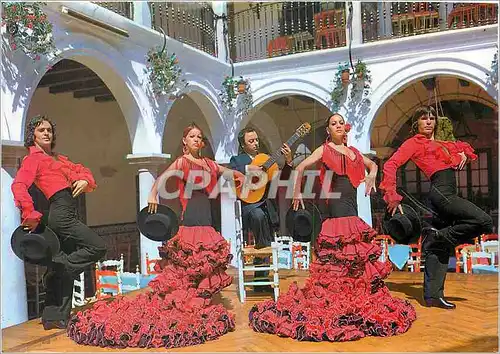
261,218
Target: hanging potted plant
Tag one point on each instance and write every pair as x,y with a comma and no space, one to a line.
338,91
236,92
345,76
164,72
361,79
28,28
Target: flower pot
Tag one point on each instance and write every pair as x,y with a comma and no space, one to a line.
242,87
360,75
345,77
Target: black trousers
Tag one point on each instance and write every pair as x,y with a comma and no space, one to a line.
466,221
80,248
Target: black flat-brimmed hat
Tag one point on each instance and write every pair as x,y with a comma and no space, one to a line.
160,226
37,247
304,224
403,228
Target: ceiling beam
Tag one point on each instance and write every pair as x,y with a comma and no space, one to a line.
67,78
74,86
105,98
98,91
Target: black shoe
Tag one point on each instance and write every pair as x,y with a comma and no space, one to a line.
440,302
60,324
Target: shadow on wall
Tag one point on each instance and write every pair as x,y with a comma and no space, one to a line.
13,77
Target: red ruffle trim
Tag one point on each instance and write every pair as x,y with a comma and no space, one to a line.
178,311
336,232
344,298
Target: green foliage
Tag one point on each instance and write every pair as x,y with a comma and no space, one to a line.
359,80
164,72
28,28
444,130
231,97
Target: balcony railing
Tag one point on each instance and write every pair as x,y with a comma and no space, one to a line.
191,23
265,30
402,19
124,8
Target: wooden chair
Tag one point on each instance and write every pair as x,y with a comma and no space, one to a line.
244,253
461,255
285,255
489,243
301,252
105,288
134,284
150,265
79,291
415,262
383,241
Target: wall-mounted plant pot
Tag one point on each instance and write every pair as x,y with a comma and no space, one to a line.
345,77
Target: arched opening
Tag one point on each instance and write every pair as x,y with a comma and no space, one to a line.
276,122
183,112
474,115
91,130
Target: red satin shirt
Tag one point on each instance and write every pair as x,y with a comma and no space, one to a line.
50,175
429,155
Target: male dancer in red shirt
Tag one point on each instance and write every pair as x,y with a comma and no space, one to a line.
438,160
61,181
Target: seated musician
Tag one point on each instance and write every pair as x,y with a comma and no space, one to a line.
260,218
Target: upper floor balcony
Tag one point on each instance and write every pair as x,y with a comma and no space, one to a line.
264,30
260,30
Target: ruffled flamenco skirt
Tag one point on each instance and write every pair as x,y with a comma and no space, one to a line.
344,298
177,312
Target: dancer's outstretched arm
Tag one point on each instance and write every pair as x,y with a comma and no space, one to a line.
371,177
307,162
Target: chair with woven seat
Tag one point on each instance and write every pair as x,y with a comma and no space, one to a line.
243,253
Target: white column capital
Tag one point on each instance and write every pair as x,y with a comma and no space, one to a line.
148,160
12,151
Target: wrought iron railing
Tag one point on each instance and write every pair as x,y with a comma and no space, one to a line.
265,30
124,8
401,19
191,23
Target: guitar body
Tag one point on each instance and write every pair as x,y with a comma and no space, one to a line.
270,167
256,195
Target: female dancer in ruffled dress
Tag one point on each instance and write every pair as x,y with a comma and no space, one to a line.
177,311
345,297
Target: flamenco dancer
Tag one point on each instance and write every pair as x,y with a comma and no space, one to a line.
61,181
345,297
438,160
177,312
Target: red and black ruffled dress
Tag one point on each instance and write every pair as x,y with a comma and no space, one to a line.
177,312
345,297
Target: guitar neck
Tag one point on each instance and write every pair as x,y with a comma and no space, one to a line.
272,159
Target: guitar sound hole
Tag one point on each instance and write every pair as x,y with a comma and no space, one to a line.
255,179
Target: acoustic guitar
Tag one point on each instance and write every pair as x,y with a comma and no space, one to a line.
269,166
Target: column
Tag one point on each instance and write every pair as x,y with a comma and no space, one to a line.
220,8
147,168
387,19
14,304
142,14
228,213
356,25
